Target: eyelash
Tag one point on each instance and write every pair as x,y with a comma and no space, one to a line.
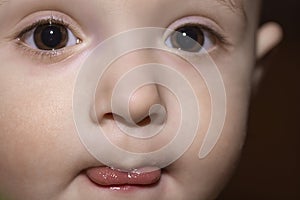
44,54
216,34
51,54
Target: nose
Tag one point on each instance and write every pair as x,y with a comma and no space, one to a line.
129,100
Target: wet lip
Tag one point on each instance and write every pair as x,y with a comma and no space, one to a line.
107,177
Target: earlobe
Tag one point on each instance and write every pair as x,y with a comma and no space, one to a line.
268,36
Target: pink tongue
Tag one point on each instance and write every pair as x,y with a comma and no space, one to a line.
106,176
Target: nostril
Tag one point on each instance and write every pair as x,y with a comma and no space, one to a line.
144,122
144,127
109,116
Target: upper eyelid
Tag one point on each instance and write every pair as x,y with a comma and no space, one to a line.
42,22
31,21
195,20
204,23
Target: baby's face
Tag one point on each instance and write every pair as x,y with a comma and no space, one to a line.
44,45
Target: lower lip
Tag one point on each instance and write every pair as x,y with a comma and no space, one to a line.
125,187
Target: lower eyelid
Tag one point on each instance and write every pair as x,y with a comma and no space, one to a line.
45,57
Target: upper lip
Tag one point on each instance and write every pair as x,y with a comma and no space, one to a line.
106,176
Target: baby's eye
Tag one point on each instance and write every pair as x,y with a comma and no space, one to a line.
191,38
50,36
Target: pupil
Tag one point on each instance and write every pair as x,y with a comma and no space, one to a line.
51,36
188,38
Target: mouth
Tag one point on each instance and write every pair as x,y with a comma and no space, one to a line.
114,179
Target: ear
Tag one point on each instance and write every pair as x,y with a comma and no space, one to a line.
268,36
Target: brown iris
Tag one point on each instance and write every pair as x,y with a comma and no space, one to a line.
188,38
51,36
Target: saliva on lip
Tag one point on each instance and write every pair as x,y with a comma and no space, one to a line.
130,173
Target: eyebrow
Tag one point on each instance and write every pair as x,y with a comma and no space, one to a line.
233,5
2,2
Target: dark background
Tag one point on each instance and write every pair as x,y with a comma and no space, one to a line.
270,166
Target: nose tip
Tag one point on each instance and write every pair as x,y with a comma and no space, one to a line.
142,102
144,116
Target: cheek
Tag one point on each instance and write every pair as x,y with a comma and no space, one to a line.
35,123
208,175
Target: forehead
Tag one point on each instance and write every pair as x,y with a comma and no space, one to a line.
232,4
229,3
242,8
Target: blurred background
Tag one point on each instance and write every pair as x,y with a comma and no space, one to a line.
270,166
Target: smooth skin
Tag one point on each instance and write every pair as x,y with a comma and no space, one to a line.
41,154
